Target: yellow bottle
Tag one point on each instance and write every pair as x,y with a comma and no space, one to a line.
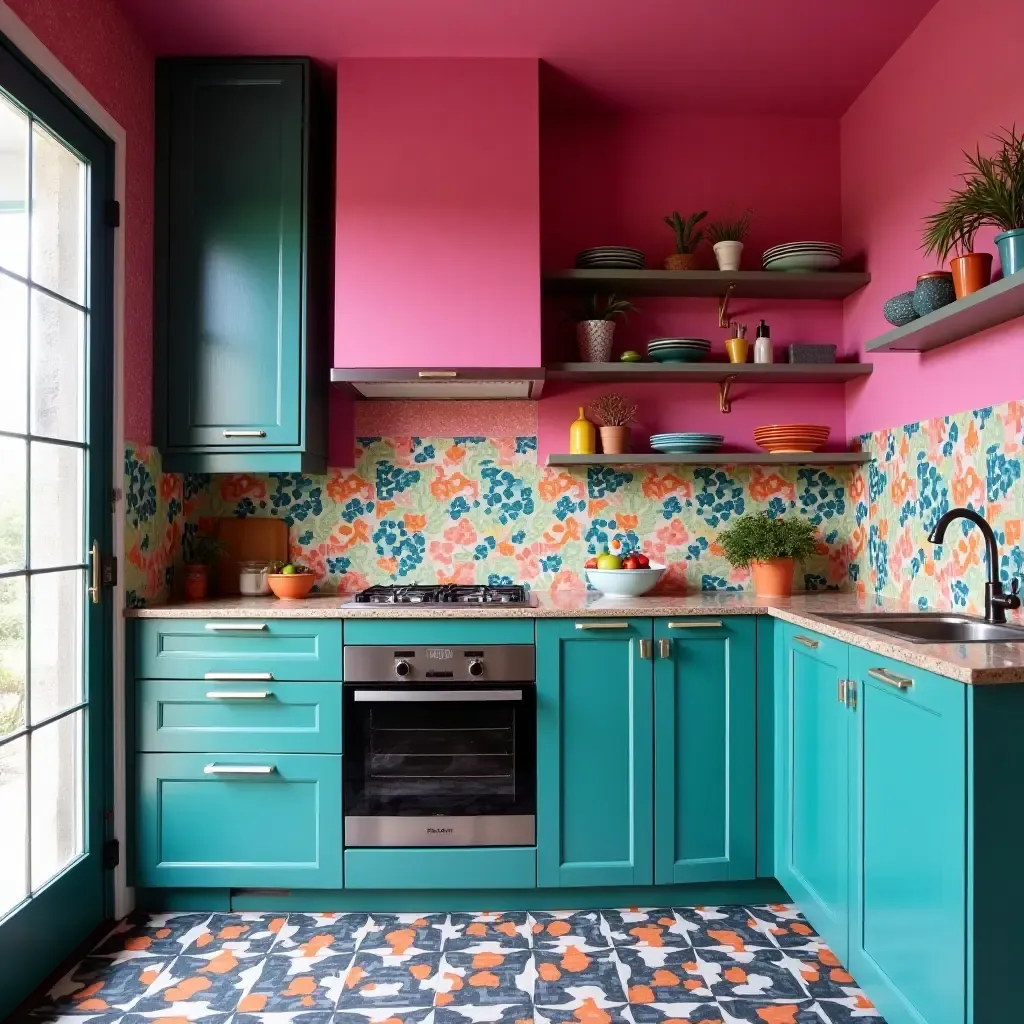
582,436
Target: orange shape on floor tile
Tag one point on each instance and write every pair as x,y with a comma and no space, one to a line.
549,972
89,990
840,977
276,925
186,989
559,928
482,960
420,971
575,960
649,933
223,962
476,928
810,973
590,1013
641,994
728,938
693,983
252,1003
315,944
354,976
484,979
162,933
300,985
863,1003
828,958
664,979
778,1014
443,998
232,931
736,975
400,940
148,977
799,928
506,928
93,1004
454,981
204,940
139,942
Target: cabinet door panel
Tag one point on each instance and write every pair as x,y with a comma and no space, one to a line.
704,742
594,712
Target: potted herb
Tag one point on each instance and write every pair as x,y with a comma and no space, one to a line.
201,551
614,415
727,237
770,547
595,326
687,240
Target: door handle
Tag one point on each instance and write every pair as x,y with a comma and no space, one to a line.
96,572
841,691
244,433
806,641
238,694
714,624
236,627
433,696
884,676
602,625
239,769
261,677
664,648
646,646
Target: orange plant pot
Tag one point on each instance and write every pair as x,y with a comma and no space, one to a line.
615,440
682,261
293,587
773,578
197,582
971,273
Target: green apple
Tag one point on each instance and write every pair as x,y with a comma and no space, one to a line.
630,357
609,562
288,570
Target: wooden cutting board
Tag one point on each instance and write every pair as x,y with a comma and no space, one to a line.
252,539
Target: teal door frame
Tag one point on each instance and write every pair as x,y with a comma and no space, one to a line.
43,930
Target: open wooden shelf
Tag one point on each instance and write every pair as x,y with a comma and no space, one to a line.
714,373
716,459
743,284
987,308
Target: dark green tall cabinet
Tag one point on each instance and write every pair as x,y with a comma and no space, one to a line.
244,236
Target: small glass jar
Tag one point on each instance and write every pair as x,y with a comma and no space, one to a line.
252,579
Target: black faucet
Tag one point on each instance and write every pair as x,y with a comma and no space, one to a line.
996,602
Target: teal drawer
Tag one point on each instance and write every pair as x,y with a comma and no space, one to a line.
255,650
276,829
178,715
497,867
384,632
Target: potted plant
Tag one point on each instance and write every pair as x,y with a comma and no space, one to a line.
201,551
770,547
687,240
614,415
727,237
595,326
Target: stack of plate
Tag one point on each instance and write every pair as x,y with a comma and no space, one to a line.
610,257
678,350
680,444
803,256
791,437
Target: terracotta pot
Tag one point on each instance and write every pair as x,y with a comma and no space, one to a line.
293,587
682,261
773,578
615,440
197,581
971,272
595,340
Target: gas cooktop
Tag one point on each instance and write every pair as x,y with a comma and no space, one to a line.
451,593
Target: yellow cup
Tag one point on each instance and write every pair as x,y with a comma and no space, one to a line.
738,348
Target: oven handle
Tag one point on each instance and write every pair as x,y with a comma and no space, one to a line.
433,696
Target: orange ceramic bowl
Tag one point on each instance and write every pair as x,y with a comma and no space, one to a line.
293,587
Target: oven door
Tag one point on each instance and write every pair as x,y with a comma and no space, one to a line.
448,765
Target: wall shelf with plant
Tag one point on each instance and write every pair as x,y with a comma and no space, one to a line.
715,459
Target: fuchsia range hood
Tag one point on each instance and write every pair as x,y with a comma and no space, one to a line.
477,383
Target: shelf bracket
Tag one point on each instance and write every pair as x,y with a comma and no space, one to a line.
723,305
724,404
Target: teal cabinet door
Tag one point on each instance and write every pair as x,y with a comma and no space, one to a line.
812,782
705,775
239,820
909,884
594,752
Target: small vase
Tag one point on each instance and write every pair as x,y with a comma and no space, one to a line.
681,261
933,291
738,349
595,340
728,255
197,581
614,440
971,273
1011,250
582,436
773,578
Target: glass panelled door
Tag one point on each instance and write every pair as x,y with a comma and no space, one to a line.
55,412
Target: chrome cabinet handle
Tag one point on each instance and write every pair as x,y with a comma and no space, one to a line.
806,641
236,627
715,624
884,676
244,433
262,677
96,572
646,646
664,648
841,691
237,694
433,696
239,769
602,625
441,374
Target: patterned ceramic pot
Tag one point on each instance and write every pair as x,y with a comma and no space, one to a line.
933,291
899,310
682,261
728,254
595,340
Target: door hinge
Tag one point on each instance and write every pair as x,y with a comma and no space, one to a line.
108,572
112,213
111,854
851,694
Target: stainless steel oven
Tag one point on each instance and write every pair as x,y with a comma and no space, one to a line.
440,746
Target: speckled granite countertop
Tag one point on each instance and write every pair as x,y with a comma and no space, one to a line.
968,663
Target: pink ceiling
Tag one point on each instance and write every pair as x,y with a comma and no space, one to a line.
791,56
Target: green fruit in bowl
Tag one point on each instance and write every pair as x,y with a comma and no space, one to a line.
288,570
630,357
609,562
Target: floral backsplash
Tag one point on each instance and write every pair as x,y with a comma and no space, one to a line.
476,509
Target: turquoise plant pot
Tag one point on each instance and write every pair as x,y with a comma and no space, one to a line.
1011,251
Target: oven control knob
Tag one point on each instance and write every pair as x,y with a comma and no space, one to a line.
402,668
476,668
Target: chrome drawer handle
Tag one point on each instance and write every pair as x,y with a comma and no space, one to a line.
244,433
714,624
239,769
438,374
236,627
434,696
602,625
900,682
806,641
261,677
238,694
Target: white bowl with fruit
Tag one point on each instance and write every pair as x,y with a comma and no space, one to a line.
631,575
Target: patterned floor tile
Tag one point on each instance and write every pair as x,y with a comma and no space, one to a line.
556,929
724,927
754,974
383,1014
757,1011
385,979
661,1013
160,935
311,935
484,1014
98,985
194,1013
645,927
512,929
823,974
248,934
291,984
654,975
857,1009
424,933
304,1017
578,973
486,974
587,1012
50,1016
787,927
216,982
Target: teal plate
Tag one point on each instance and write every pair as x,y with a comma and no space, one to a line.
682,355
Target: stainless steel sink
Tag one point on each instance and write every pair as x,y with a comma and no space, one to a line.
933,627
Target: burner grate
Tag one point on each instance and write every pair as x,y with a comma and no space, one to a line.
451,593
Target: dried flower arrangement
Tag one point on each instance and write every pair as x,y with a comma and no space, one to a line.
612,410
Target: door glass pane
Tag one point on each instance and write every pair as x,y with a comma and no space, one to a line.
56,753
58,216
14,815
12,656
13,488
13,351
56,482
56,644
58,347
13,188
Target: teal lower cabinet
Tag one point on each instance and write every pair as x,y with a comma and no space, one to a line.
239,820
704,749
594,752
513,867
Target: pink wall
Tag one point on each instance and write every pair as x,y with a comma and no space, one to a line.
96,43
945,90
437,213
